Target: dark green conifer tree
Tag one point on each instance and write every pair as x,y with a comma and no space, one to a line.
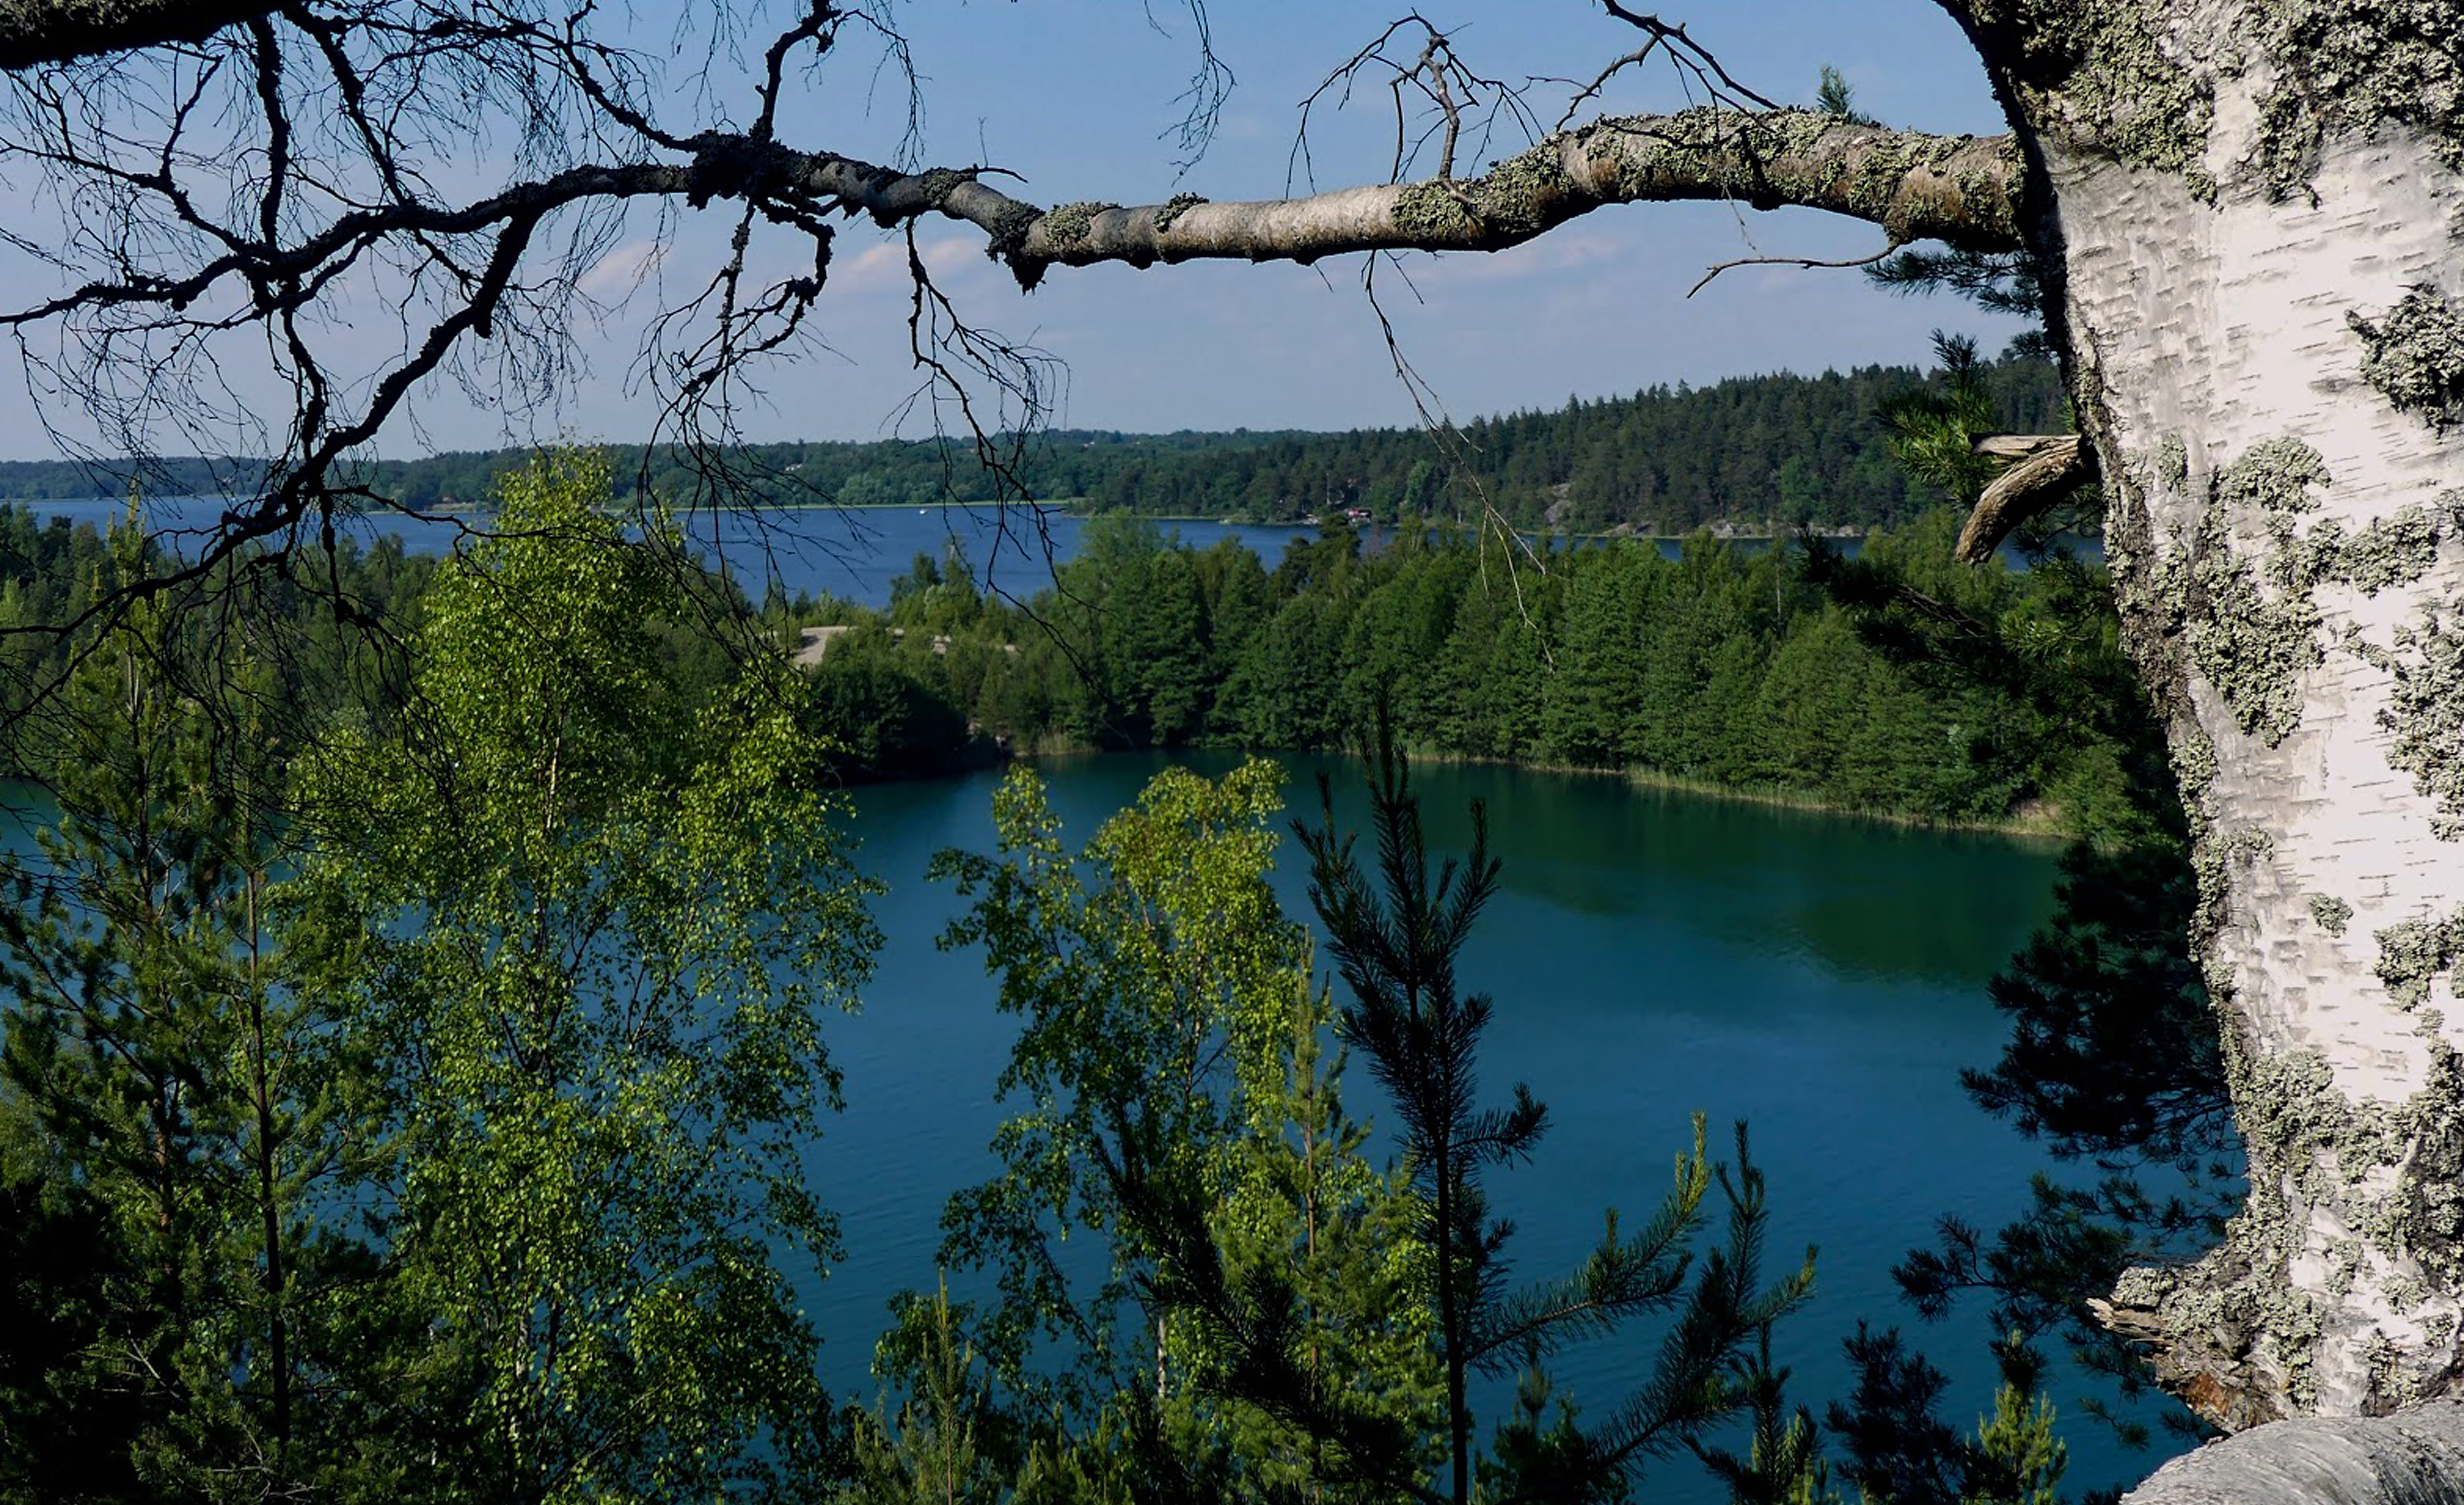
1397,941
1595,699
174,1095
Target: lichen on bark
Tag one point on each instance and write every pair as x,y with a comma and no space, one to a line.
1173,208
2351,67
2390,1170
2330,913
1008,235
2275,476
1513,200
2252,643
1915,185
2133,79
2107,75
1067,226
2212,855
2414,354
1431,212
2425,713
2393,551
2413,952
2173,464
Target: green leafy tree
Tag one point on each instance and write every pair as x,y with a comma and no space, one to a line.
1168,1057
1284,691
604,926
885,707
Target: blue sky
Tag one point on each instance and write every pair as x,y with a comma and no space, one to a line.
1078,97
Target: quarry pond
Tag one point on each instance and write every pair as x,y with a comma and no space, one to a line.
1652,954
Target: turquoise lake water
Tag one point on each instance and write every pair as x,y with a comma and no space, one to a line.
1652,954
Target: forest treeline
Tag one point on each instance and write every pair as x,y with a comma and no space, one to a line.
1727,666
1748,455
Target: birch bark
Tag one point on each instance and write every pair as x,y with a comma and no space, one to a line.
2253,211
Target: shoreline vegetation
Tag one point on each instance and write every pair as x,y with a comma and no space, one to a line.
1082,510
1723,671
2033,823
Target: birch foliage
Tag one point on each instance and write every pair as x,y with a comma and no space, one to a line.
1169,1060
608,924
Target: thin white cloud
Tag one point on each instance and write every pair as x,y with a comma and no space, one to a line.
623,269
886,262
1550,256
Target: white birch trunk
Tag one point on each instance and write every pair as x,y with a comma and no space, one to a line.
2285,474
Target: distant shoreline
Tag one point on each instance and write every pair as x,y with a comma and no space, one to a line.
2038,826
1068,507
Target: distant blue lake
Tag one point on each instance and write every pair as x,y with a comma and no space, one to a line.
853,555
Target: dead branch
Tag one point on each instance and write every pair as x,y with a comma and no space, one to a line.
1801,263
2050,468
36,32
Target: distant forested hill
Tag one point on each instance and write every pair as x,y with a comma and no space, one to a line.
1746,453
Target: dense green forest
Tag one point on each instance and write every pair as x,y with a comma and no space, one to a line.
1727,667
1750,455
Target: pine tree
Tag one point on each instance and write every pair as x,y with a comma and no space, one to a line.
1595,700
932,1453
173,1071
1396,944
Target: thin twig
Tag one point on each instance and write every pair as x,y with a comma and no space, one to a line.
1807,262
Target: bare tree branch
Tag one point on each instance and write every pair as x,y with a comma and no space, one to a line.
1960,190
2051,467
1801,263
34,33
1694,55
